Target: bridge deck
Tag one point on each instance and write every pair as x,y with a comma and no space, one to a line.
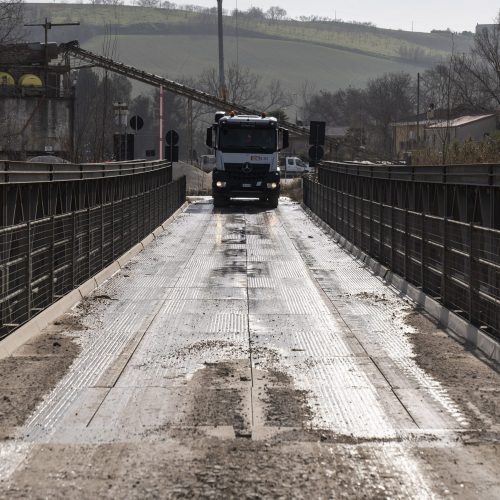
243,352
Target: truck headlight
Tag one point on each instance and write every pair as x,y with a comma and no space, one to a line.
220,184
272,185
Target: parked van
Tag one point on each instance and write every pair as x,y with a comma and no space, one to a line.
294,165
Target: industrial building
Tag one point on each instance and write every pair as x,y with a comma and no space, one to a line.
36,102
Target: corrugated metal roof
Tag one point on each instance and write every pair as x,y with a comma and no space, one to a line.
423,123
460,121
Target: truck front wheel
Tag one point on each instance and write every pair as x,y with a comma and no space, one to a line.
273,200
220,201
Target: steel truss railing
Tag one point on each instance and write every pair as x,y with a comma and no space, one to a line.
57,234
456,262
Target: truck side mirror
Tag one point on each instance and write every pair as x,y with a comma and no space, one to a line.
208,140
286,141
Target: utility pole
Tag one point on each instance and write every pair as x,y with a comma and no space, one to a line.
47,25
222,78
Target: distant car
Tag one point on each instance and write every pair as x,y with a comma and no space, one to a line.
47,159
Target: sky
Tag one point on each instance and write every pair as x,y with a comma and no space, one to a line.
397,14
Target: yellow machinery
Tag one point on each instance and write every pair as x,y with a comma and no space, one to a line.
30,84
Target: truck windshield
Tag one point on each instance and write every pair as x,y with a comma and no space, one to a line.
253,140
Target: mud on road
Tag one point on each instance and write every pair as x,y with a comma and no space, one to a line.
213,453
30,374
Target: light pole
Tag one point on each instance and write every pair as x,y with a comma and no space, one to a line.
222,79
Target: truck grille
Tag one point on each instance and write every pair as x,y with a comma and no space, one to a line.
235,171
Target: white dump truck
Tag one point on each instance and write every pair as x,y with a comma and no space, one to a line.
246,157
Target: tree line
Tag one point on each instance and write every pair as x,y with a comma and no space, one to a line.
466,83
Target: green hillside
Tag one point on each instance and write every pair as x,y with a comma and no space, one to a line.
292,62
181,44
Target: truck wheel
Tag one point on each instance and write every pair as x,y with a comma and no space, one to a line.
273,200
220,201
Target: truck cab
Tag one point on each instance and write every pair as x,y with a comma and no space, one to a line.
246,157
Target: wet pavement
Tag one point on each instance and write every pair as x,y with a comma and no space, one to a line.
244,354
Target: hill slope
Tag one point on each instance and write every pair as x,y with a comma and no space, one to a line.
182,44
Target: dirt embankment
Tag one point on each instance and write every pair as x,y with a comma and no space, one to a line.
472,382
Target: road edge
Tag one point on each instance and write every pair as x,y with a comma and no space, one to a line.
38,323
453,324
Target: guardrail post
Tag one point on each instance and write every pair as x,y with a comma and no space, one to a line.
422,251
370,246
89,245
381,231
29,269
444,261
73,251
137,225
472,273
112,221
406,244
123,204
102,225
392,225
362,200
52,259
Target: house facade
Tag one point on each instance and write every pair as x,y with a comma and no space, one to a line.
433,133
464,128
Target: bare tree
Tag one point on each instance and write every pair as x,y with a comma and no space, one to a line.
254,13
388,99
11,20
305,92
483,64
276,13
168,5
242,85
148,3
276,96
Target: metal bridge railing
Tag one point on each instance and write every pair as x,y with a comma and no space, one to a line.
455,262
89,222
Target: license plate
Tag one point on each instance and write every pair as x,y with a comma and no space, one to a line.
246,185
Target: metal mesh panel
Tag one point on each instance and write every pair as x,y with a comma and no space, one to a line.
455,262
43,259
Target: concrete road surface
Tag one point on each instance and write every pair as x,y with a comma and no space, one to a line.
243,354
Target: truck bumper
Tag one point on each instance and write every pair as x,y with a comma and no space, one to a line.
225,185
